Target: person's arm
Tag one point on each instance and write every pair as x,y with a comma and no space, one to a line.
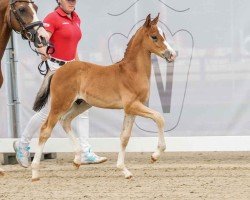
43,50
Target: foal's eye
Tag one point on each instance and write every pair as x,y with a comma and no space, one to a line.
154,38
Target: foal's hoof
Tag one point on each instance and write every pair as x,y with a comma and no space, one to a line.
130,176
76,166
153,159
35,179
155,156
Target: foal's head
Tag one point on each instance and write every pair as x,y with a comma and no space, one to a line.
23,18
155,40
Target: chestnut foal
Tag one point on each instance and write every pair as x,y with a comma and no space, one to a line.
77,86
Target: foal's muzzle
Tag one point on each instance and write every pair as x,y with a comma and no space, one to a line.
170,55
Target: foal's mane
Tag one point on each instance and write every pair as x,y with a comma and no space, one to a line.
128,49
130,46
130,43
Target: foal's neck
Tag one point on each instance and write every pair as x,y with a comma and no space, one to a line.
138,58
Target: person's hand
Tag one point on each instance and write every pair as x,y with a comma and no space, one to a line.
45,57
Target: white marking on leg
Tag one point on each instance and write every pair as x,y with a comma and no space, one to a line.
161,140
125,135
36,161
77,148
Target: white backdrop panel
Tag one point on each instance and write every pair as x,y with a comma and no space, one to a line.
209,87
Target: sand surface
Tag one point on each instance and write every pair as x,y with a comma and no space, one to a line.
176,176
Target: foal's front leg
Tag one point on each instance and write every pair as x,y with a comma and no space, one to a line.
137,108
125,135
36,161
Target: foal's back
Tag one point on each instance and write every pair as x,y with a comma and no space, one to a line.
97,85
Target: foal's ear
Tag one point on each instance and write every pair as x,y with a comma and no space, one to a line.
155,20
148,21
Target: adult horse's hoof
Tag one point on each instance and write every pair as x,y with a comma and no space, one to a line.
35,179
76,166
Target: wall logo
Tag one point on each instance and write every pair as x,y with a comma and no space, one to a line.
169,80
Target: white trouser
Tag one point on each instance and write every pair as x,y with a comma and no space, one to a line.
36,121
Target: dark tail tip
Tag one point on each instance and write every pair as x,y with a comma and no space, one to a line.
42,95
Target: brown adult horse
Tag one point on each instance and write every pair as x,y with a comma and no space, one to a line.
20,15
124,85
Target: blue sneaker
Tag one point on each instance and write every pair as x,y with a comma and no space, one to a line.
22,154
89,157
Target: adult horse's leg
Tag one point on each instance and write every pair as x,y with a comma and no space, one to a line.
65,121
125,135
5,33
1,76
45,133
137,108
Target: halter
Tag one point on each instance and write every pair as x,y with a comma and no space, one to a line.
27,31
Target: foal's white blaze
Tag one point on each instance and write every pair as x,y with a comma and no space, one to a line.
41,31
165,42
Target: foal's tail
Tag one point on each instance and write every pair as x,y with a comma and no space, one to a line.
43,93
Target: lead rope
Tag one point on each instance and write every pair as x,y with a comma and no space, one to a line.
41,70
50,50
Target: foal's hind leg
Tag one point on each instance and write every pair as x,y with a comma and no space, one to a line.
125,135
66,124
137,108
45,133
